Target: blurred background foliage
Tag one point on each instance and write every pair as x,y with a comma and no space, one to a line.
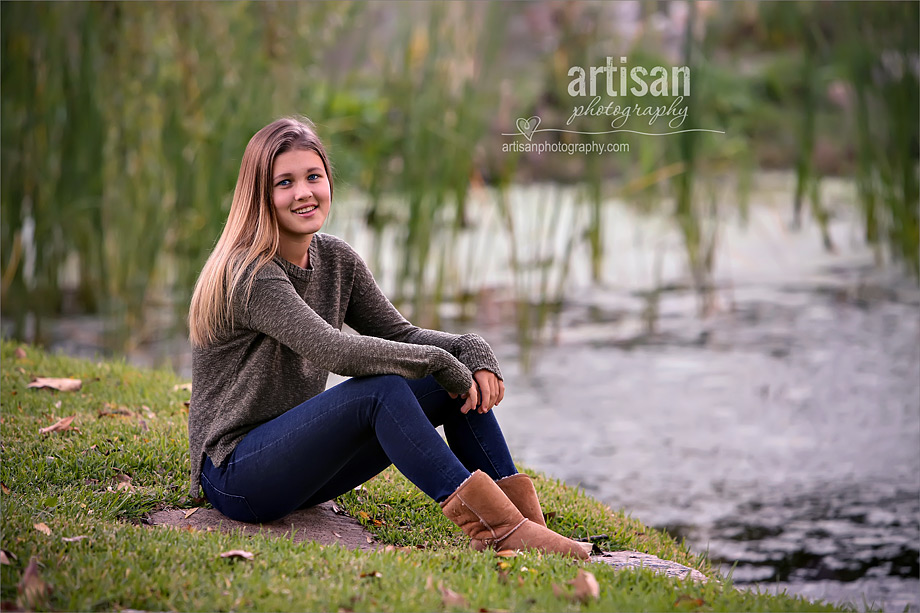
123,125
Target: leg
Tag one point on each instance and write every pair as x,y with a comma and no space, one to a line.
285,462
476,439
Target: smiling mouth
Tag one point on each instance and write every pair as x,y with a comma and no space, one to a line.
306,209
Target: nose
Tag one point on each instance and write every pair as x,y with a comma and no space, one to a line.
303,192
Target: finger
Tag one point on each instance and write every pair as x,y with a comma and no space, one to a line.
485,394
472,399
501,391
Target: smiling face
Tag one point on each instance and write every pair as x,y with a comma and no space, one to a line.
301,197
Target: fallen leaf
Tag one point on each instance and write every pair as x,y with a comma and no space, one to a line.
182,387
4,488
191,512
376,574
74,539
32,588
393,547
369,540
337,535
124,483
43,528
63,385
549,516
21,353
60,425
363,515
57,405
237,553
451,598
6,557
506,553
586,586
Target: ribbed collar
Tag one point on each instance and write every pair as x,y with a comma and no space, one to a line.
296,272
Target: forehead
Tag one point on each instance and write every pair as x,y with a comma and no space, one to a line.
297,160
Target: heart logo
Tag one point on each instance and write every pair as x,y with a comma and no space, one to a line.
527,126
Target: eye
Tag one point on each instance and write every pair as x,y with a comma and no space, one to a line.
313,177
282,183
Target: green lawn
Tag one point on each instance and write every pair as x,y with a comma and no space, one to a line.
129,456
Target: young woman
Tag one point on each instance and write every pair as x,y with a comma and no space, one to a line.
265,324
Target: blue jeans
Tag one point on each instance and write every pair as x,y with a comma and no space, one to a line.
342,437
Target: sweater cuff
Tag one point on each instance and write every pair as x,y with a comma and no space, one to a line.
450,372
476,354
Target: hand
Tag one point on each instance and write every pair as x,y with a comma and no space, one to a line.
491,390
486,386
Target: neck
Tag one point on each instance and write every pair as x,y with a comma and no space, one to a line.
296,252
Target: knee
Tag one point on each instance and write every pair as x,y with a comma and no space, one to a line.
387,386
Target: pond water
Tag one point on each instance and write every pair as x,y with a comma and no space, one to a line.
780,434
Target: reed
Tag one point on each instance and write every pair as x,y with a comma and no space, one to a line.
124,123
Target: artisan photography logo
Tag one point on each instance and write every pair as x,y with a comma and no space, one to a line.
606,89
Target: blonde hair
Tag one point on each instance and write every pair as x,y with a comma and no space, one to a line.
251,232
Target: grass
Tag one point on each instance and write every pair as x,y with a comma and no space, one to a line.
132,423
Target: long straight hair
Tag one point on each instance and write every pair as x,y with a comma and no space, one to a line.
251,232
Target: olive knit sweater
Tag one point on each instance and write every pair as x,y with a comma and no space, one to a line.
288,337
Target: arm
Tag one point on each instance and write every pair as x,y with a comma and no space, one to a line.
370,313
275,309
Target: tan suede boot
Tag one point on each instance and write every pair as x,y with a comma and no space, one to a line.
520,491
486,515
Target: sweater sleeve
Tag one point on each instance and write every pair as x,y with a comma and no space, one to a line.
274,308
370,313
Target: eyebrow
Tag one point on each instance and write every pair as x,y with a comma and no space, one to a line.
289,174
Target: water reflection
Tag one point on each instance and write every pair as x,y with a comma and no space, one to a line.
781,435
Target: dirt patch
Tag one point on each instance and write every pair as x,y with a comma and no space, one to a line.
324,524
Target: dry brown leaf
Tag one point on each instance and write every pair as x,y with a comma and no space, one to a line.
7,557
60,425
63,385
451,598
124,483
4,488
368,539
32,588
337,535
191,512
237,553
21,353
393,547
506,553
182,387
374,574
586,586
74,539
43,528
